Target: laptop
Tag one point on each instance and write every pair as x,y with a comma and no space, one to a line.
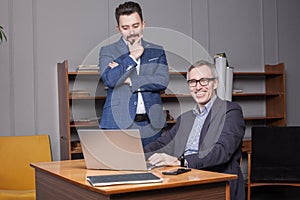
112,149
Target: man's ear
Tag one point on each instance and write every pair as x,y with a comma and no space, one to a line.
118,28
143,24
216,84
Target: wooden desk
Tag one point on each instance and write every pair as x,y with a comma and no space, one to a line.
67,180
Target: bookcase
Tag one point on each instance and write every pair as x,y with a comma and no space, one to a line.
263,99
273,93
82,108
81,96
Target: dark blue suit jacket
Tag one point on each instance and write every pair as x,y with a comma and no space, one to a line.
121,102
220,143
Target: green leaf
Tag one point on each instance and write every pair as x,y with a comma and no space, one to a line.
2,35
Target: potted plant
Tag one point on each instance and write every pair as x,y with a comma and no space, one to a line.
2,35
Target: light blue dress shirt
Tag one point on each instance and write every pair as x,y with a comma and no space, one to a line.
192,145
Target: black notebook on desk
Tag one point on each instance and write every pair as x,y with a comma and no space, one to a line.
118,179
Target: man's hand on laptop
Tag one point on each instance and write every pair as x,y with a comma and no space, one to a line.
162,159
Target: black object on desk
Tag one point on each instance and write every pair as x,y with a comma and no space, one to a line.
117,179
176,171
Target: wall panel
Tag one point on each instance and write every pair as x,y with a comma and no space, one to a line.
42,33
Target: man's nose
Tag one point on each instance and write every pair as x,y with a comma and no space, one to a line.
198,86
131,30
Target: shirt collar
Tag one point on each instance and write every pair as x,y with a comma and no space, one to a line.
126,42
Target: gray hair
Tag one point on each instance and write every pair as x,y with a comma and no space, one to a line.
201,63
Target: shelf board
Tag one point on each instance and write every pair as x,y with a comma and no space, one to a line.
182,96
76,151
254,118
86,97
87,125
171,122
175,95
255,94
184,73
256,73
177,73
98,73
84,73
247,118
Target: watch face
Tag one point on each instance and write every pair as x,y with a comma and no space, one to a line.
182,161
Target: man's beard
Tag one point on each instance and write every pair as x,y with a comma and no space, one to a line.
131,36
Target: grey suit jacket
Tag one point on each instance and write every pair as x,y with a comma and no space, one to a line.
220,143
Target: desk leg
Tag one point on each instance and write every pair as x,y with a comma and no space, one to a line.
227,191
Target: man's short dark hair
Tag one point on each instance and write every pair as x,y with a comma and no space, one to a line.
128,8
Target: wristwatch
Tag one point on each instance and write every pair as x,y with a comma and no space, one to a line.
182,161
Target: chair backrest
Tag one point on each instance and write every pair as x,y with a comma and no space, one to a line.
275,154
16,154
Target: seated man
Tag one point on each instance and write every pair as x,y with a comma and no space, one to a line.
207,137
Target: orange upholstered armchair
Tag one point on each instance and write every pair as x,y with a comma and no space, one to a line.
17,180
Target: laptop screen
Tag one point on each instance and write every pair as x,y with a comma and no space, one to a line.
112,149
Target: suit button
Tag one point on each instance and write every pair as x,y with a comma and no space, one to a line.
135,103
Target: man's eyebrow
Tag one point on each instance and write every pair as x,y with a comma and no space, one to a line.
131,24
124,26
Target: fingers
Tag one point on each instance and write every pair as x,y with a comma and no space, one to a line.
155,159
138,41
128,81
136,49
160,159
135,42
113,64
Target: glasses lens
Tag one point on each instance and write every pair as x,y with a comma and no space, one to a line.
193,82
204,81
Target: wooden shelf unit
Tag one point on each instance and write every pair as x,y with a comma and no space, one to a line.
274,95
274,98
67,126
64,110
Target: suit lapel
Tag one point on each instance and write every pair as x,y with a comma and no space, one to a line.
121,47
212,127
184,130
211,115
144,56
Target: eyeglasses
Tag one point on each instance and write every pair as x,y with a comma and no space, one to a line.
202,81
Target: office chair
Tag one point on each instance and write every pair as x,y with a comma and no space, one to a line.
273,160
16,154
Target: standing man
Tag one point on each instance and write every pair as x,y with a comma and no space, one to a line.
207,137
135,72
